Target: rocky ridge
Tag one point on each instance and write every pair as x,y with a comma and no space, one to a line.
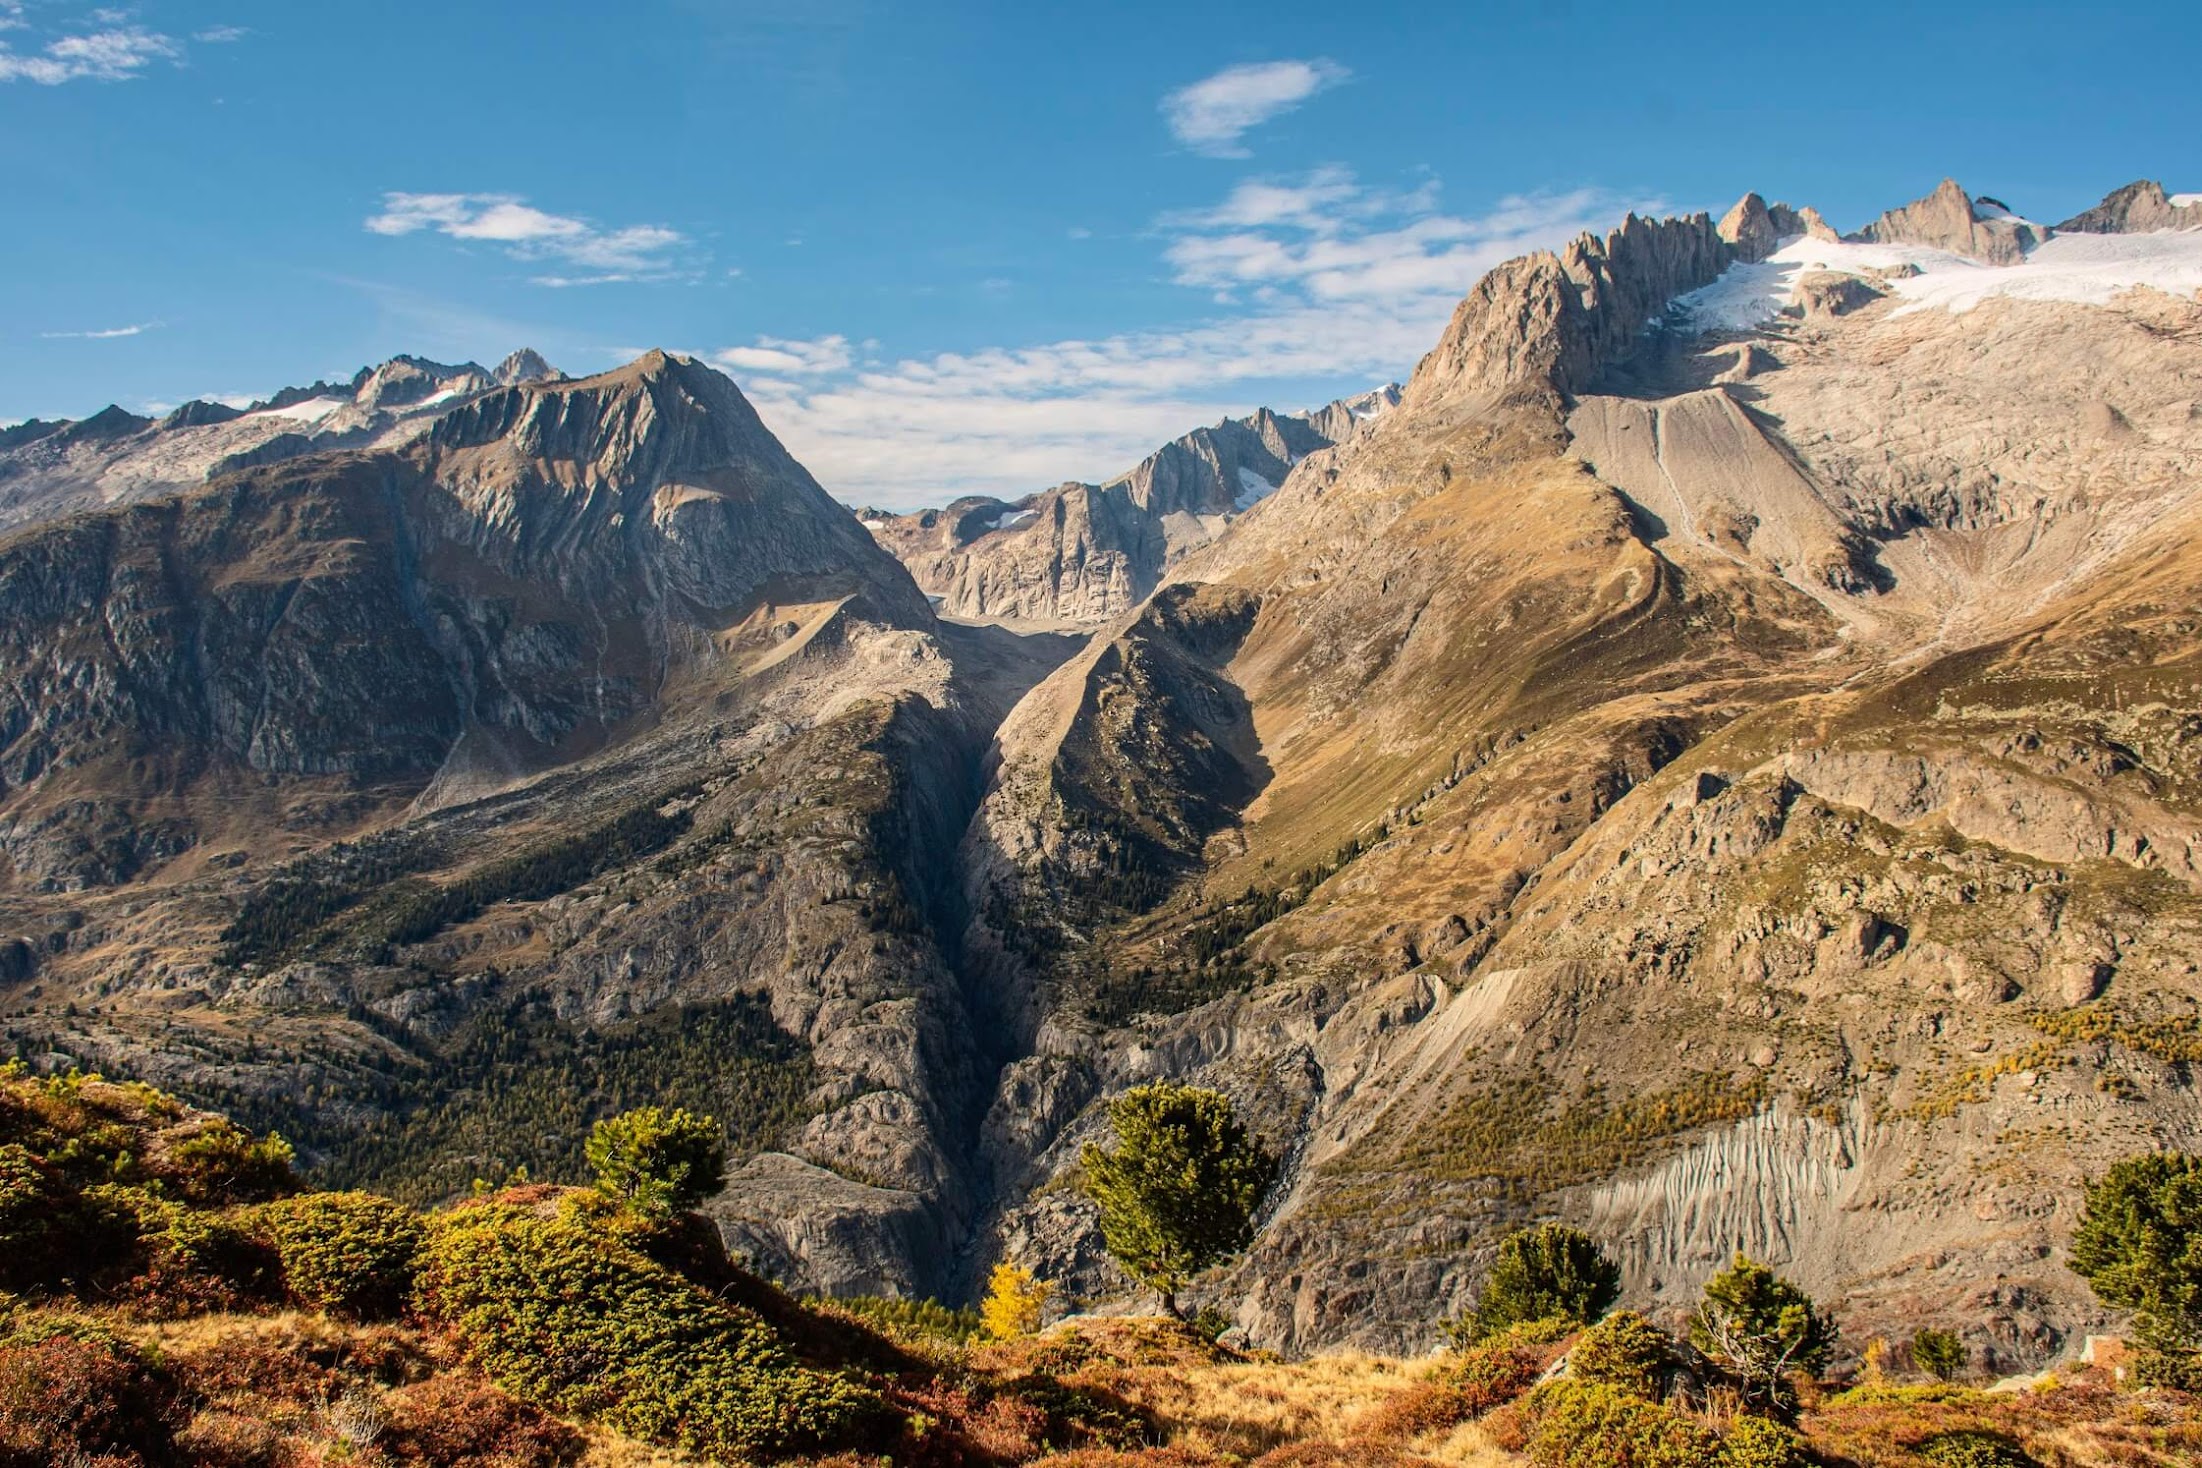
1081,554
49,469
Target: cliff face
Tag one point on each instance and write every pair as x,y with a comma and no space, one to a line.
2138,208
585,722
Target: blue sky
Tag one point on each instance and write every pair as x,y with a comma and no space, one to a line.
959,247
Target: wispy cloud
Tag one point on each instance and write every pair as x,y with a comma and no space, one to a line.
116,52
1213,114
778,354
641,252
1310,280
100,336
221,35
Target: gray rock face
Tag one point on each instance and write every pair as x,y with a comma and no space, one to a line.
1951,219
2138,208
1339,421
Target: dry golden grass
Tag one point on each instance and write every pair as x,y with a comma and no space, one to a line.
1212,1403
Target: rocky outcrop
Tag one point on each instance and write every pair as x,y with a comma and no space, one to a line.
1339,421
1550,324
1081,554
1756,229
199,412
2139,208
1951,219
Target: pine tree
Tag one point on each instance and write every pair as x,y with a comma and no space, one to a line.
1550,1272
2139,1247
1179,1191
1763,1326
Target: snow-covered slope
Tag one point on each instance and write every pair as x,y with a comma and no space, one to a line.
2089,269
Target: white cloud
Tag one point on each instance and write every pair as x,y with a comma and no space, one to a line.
1213,114
1312,280
113,55
778,354
99,336
221,35
638,252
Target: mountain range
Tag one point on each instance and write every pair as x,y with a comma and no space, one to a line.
1715,757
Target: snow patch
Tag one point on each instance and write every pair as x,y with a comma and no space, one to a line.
1009,520
2090,269
1253,489
313,410
2185,201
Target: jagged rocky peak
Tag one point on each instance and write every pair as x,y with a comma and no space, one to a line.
668,450
659,416
1545,323
1338,421
525,365
2141,207
112,421
200,412
1951,219
406,381
1757,229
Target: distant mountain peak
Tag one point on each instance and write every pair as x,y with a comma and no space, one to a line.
525,365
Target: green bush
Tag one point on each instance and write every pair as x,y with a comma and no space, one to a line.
1755,1442
1581,1426
351,1254
1550,1272
169,1258
1939,1353
54,1237
659,1162
223,1163
1626,1352
911,1322
2139,1247
572,1319
34,1237
1503,1367
1975,1450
